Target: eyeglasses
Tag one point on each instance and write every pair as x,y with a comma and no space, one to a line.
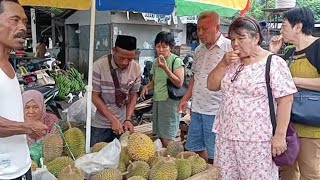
236,74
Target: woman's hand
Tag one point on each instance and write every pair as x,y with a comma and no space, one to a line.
144,91
230,58
276,43
162,62
278,144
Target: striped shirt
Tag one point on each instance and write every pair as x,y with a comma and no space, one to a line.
205,101
129,80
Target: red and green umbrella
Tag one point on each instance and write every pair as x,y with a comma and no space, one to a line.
226,8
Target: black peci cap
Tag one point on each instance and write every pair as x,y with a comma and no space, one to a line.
126,42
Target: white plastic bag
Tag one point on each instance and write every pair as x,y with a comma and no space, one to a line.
92,163
158,144
77,112
42,174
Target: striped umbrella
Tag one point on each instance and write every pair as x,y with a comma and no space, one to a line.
68,4
226,8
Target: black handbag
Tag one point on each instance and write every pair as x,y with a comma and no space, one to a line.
306,105
176,93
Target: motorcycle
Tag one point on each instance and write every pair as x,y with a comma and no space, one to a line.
142,111
143,107
36,77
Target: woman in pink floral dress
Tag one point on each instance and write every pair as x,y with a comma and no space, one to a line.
244,143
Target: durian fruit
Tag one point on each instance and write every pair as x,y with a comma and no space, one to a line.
155,160
80,155
52,147
34,166
186,154
75,139
140,147
137,178
124,138
138,168
98,146
198,164
56,166
108,174
122,166
71,173
184,169
173,149
164,170
124,155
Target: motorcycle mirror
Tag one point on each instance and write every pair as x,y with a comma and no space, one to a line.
60,38
47,54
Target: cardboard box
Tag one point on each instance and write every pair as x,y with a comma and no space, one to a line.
211,173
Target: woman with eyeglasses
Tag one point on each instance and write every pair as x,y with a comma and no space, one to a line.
245,143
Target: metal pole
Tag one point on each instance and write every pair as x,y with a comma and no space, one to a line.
53,29
89,87
33,29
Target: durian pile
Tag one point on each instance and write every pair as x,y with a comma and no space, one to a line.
140,161
59,151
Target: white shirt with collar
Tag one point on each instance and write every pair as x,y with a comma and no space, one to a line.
205,101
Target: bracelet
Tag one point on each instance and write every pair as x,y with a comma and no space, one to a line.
127,120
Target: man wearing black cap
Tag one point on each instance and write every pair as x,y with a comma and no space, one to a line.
116,81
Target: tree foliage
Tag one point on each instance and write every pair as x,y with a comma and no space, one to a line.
257,6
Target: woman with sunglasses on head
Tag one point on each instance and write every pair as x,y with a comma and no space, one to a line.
245,142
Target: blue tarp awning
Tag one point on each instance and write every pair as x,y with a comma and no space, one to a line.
146,6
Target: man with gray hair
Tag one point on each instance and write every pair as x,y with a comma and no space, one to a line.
15,159
205,103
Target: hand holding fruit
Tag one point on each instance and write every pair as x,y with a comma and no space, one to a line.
162,62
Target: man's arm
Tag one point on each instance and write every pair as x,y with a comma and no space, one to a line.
131,105
307,83
183,104
188,93
11,128
102,108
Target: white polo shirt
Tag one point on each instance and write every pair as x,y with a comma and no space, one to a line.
14,152
205,101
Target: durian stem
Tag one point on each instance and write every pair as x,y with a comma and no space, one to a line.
69,125
69,168
130,162
125,173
